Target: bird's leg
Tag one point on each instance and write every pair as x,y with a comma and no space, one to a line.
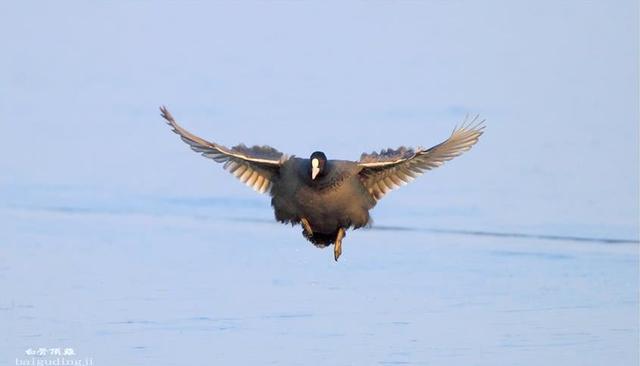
308,232
337,248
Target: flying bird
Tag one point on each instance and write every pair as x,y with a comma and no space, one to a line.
327,197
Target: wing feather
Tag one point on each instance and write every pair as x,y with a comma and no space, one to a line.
390,169
255,166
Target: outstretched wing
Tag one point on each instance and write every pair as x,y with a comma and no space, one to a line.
389,169
255,166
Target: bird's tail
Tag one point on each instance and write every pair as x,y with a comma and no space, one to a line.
321,240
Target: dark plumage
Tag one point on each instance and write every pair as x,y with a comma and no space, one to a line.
335,199
329,196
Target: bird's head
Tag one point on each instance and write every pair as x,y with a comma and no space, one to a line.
318,161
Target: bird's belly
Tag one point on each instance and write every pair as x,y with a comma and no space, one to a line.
328,211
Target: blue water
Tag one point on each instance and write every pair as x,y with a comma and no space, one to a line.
173,287
118,241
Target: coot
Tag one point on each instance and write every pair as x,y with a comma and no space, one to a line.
326,196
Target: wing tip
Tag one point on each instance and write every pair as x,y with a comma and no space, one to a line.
168,118
475,124
164,112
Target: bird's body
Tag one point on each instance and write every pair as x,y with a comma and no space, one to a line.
325,196
337,199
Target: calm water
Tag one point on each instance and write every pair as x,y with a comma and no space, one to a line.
195,281
118,242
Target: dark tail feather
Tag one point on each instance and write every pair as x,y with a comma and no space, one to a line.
321,240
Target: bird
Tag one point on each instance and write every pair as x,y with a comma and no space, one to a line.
328,197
